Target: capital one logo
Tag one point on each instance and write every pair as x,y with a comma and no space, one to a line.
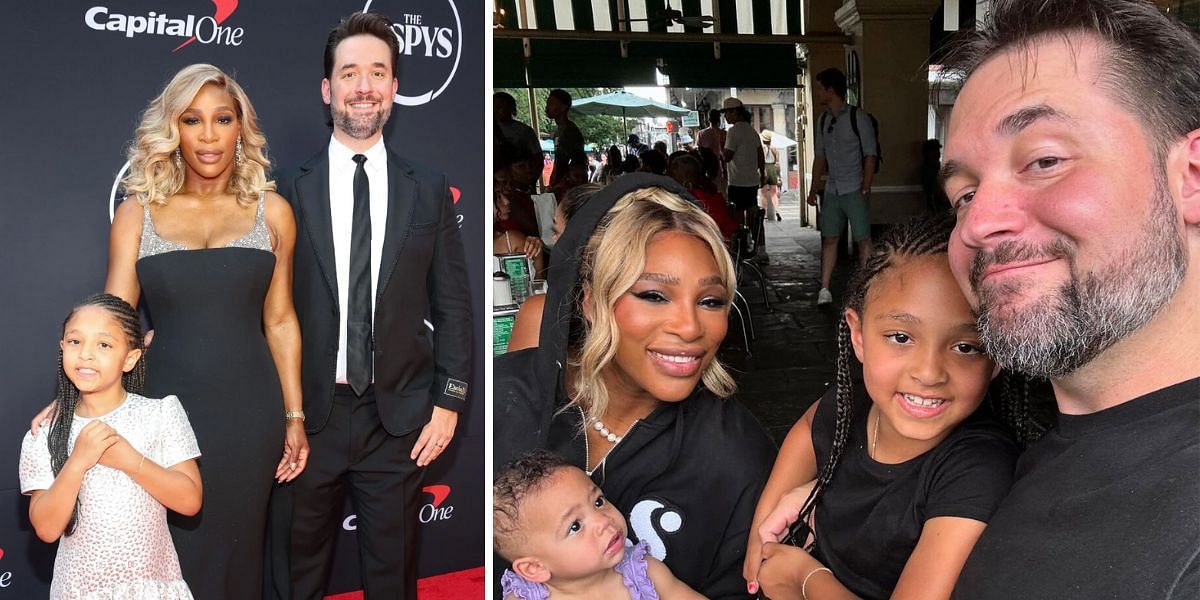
5,576
437,509
208,29
431,44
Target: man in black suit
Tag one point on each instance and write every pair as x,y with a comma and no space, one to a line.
377,252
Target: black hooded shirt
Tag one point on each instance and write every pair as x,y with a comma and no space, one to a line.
687,477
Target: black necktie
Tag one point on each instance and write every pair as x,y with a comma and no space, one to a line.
358,310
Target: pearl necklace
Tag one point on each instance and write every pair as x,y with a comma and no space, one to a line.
598,425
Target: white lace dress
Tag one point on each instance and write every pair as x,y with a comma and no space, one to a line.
121,548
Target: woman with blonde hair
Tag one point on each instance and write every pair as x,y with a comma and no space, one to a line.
205,242
625,382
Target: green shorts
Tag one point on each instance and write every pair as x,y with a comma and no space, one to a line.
772,172
837,209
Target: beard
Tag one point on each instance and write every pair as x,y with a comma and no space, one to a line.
1060,332
361,127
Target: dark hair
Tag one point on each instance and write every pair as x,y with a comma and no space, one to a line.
692,172
834,79
576,197
364,23
1151,62
630,164
561,95
714,117
921,236
67,395
512,485
654,161
508,99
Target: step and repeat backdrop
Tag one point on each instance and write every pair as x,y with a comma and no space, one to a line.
78,74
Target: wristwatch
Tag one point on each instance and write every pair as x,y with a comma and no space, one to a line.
293,414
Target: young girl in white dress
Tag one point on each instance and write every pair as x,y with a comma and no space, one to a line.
111,463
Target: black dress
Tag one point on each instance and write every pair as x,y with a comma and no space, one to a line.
209,350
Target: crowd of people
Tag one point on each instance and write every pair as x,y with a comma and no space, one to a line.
705,169
625,467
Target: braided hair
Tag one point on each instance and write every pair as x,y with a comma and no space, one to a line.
67,395
1009,394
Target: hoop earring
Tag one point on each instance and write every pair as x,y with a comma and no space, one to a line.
178,159
237,152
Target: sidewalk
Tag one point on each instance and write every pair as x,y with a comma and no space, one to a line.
791,361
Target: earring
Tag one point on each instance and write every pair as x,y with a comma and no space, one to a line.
237,152
178,159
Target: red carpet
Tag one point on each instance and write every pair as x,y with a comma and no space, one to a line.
449,586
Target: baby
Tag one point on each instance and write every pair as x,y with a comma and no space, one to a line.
566,541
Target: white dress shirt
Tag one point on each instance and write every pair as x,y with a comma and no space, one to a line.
341,212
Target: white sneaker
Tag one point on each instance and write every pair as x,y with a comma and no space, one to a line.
824,297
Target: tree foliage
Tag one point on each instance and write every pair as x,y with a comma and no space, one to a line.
600,130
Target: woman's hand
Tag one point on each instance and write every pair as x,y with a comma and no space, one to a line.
533,246
295,452
42,418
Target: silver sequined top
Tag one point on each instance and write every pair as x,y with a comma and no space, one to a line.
258,238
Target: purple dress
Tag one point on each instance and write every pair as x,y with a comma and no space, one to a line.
632,568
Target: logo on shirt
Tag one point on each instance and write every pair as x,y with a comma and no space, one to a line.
431,44
208,29
456,388
652,521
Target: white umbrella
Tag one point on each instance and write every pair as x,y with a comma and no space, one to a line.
778,140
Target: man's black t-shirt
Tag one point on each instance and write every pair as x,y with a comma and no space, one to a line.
872,514
1106,505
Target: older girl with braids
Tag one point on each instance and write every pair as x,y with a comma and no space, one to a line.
904,469
625,384
111,463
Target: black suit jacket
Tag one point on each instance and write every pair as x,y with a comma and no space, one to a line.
422,273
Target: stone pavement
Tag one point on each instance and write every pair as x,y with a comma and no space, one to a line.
791,359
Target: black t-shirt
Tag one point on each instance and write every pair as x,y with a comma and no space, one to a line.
568,148
1106,505
871,516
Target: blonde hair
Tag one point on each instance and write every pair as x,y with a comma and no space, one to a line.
154,176
610,264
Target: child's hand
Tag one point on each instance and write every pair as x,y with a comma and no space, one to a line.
777,523
121,456
783,570
94,439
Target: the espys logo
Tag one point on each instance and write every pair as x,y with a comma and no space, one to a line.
5,576
204,29
435,510
432,44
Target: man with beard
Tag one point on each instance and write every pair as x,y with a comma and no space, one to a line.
1073,162
377,250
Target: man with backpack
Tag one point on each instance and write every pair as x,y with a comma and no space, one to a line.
845,147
